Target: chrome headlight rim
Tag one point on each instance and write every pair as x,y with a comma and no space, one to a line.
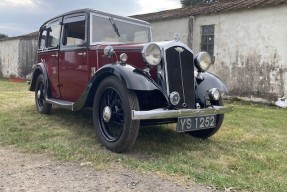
123,58
202,61
214,94
151,54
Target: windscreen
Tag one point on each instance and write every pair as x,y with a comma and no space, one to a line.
109,29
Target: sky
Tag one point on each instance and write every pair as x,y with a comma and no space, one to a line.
19,17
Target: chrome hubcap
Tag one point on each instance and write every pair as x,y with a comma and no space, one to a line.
107,114
39,94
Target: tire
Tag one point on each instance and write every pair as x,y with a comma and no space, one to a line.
205,133
112,108
41,105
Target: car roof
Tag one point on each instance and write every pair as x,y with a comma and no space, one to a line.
88,10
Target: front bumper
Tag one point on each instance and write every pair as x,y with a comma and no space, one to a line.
169,114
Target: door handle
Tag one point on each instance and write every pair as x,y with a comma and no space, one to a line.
55,55
82,54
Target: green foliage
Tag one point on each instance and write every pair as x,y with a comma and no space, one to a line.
186,3
3,36
247,154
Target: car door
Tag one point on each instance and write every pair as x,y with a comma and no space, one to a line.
73,68
49,54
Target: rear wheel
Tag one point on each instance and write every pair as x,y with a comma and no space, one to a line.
40,91
205,133
112,108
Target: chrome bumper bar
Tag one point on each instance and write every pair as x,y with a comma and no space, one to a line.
168,114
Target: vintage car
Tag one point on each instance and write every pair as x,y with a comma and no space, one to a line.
88,58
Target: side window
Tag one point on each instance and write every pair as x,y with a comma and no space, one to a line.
207,39
53,35
42,39
74,31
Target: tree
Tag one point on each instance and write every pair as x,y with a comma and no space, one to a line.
186,3
3,36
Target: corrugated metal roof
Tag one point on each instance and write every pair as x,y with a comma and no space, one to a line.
206,9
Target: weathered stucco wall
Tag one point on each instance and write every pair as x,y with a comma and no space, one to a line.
166,30
9,57
250,50
27,55
17,55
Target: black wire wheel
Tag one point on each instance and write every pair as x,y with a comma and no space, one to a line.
205,133
41,105
112,111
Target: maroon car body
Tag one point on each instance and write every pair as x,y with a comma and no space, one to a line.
88,58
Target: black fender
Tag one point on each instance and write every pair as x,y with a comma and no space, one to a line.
37,70
207,82
130,76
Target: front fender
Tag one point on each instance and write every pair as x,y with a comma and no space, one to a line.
207,82
131,77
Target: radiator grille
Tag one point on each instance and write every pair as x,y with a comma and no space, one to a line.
180,75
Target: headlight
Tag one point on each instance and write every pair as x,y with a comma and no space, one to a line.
202,61
151,54
214,94
123,57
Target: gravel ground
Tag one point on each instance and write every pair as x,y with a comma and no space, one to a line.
26,172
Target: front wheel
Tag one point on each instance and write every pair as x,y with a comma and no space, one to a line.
112,108
205,133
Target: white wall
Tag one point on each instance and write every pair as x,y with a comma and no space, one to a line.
166,30
17,56
250,50
9,58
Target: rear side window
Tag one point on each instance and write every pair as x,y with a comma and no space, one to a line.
74,33
42,40
50,35
53,36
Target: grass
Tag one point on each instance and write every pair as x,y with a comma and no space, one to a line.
249,153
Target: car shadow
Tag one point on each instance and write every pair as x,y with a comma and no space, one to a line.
162,139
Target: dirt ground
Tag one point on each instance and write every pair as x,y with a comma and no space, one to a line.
26,172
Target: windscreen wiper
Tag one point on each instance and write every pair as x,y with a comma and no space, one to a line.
114,26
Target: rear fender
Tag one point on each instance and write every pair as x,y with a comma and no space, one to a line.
37,70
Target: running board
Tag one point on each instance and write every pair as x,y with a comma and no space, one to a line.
61,103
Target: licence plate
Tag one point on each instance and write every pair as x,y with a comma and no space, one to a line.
185,124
